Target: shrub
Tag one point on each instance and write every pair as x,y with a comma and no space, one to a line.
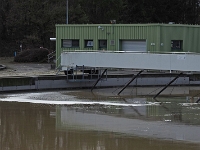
32,55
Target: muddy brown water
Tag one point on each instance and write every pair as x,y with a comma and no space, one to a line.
81,120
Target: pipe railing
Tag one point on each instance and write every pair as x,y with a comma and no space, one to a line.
145,52
51,55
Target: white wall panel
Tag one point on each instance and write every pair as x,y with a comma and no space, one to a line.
179,62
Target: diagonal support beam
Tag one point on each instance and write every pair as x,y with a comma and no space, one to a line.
198,100
134,77
168,85
98,79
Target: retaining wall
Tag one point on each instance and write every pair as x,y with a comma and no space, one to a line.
61,82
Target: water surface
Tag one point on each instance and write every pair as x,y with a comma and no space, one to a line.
81,120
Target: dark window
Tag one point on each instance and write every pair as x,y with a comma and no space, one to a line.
88,43
176,45
70,43
102,43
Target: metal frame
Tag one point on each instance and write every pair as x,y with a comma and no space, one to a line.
82,73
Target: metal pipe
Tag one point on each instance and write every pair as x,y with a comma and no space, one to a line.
134,77
99,79
168,85
52,39
67,12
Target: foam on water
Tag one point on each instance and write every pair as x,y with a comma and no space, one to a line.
70,100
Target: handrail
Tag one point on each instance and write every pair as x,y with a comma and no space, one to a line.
148,52
50,55
52,52
57,61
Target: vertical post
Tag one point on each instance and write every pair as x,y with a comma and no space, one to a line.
67,12
83,72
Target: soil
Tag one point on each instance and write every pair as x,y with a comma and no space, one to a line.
25,69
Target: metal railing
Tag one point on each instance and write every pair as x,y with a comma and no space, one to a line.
120,51
51,56
59,67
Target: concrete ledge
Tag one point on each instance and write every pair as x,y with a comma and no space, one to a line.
18,83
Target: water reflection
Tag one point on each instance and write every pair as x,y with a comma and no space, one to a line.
117,122
24,126
80,120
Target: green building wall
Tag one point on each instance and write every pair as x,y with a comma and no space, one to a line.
190,35
158,34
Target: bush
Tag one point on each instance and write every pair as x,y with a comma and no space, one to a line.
32,55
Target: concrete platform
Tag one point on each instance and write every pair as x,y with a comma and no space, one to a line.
112,79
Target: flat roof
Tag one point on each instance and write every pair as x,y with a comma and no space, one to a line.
128,25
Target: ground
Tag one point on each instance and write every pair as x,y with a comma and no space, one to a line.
24,69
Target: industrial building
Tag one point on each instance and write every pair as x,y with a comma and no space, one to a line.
128,37
140,46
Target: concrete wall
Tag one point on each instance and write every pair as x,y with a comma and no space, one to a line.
48,84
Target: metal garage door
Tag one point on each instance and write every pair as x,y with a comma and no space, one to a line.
133,45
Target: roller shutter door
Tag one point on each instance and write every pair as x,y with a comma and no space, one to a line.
131,45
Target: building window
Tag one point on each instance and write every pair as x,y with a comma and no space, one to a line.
88,43
102,43
70,43
176,45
